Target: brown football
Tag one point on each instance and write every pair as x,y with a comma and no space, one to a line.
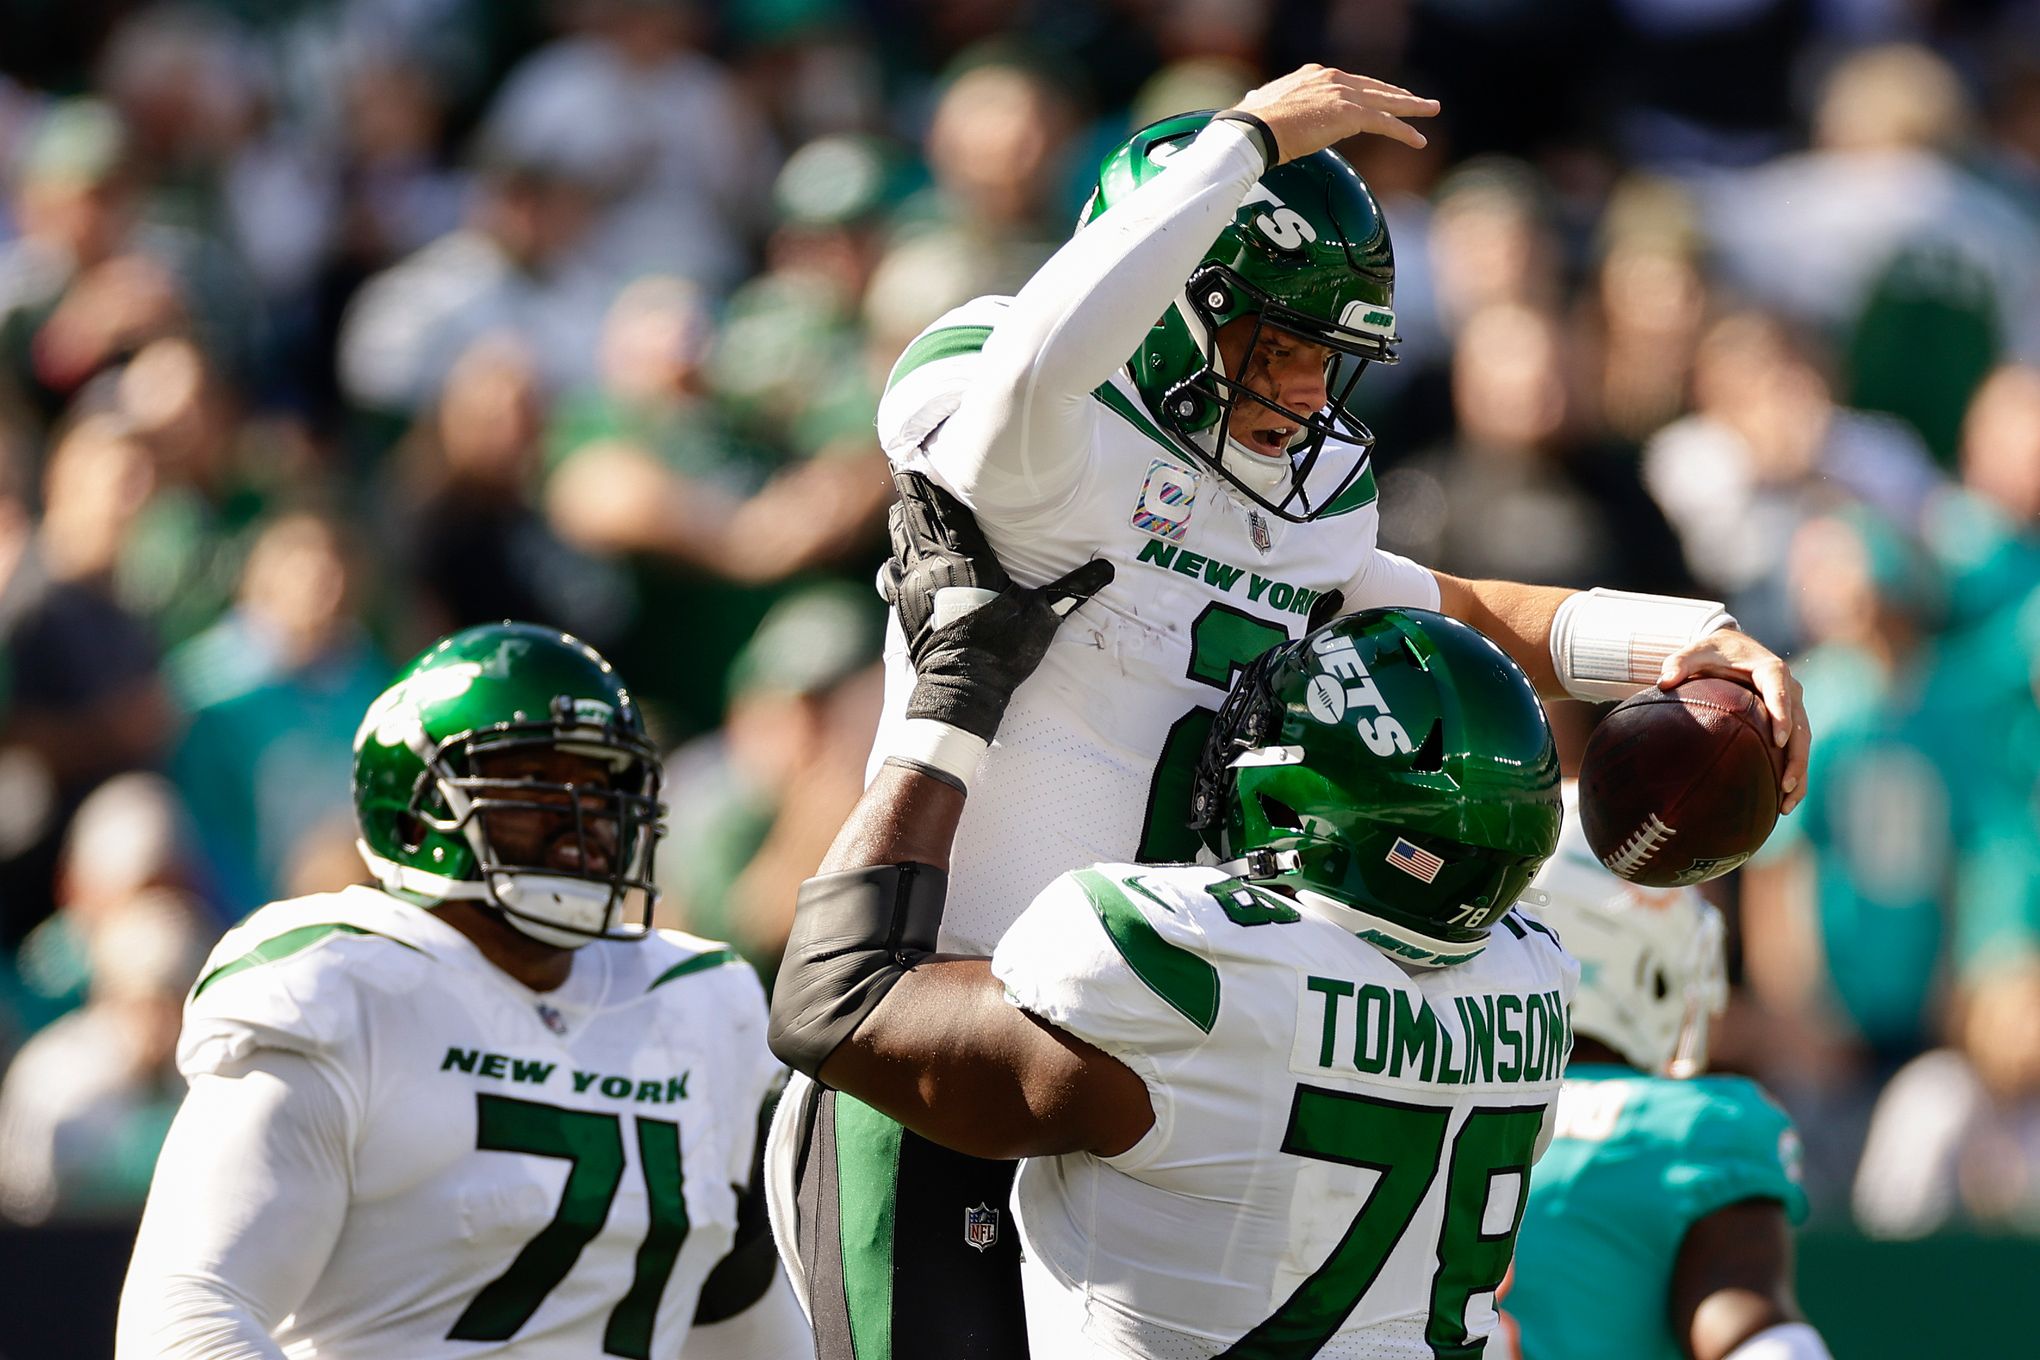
1679,786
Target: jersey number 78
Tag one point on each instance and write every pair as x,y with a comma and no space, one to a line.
1406,1144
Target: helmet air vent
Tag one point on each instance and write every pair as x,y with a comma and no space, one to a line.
1280,814
1429,757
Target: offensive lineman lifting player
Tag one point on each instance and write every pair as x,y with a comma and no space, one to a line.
1219,471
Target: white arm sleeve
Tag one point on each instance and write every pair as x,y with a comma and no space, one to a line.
774,1325
1387,579
1020,441
1786,1341
246,1204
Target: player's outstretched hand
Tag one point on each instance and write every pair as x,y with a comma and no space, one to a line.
973,634
1314,107
1737,656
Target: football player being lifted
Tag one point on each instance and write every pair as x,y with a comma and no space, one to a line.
1169,394
1660,1224
473,1111
1251,1129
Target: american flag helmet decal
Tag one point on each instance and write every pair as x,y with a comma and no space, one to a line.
1414,860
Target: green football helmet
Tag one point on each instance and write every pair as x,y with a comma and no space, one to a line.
1394,770
1307,253
424,806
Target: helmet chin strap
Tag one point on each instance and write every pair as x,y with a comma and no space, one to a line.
590,907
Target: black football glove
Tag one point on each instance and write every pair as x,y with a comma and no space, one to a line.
973,635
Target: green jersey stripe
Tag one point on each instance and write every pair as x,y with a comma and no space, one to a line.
867,1168
1123,405
946,343
1360,494
714,958
1188,983
283,946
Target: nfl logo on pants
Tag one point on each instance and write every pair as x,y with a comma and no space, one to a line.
981,1227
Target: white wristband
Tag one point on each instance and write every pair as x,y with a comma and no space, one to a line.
1786,1341
938,746
1608,644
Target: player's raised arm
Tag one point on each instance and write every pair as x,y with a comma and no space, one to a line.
1019,439
863,1004
1600,645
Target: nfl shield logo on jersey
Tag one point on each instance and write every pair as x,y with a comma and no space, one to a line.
1166,500
981,1227
1257,529
554,1021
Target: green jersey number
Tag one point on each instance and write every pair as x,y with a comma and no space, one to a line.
1406,1144
592,1146
1222,642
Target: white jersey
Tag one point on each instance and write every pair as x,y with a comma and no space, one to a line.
538,1174
1341,1148
1022,409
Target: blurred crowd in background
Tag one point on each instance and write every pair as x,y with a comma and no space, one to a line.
329,325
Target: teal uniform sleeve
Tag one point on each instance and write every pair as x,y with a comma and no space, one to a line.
1739,1146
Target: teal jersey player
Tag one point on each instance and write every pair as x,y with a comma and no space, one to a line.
1635,1162
1658,1223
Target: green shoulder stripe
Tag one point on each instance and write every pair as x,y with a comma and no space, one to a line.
283,946
946,343
1134,416
714,958
1361,493
1179,977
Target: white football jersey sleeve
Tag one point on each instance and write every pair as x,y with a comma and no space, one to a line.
1340,1149
539,1174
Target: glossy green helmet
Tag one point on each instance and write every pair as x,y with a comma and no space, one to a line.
424,807
1395,770
1307,253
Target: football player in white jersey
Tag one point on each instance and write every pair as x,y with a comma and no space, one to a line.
472,1112
1168,393
1285,1105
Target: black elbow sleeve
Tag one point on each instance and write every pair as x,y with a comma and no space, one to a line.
854,935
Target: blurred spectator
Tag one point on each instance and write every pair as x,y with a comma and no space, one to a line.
753,802
512,268
791,360
1766,448
1986,533
85,1106
631,100
1846,911
1647,306
472,541
275,690
1674,107
1491,240
1881,203
131,837
995,148
84,700
809,66
1956,1137
1524,492
91,279
213,473
651,469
